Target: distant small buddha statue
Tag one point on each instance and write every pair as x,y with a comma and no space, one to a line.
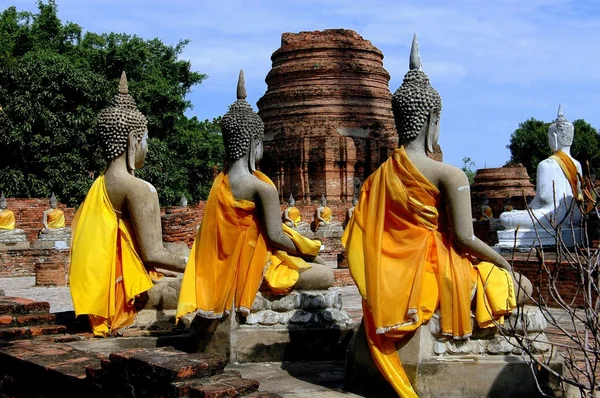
183,202
53,218
508,205
350,211
557,185
407,240
117,236
291,214
242,239
7,217
8,232
322,214
486,210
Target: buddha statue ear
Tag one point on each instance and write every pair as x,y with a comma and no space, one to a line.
433,129
132,147
254,141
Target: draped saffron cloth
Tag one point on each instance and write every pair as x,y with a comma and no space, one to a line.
106,272
294,215
56,219
402,259
230,255
7,219
568,167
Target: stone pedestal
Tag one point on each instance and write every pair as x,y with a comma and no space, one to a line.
14,239
524,240
303,325
486,365
55,239
50,273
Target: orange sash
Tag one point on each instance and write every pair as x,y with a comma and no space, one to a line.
56,219
570,170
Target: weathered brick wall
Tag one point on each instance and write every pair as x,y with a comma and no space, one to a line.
52,270
29,214
22,262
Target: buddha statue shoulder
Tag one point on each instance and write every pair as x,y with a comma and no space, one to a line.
242,224
291,214
117,234
422,206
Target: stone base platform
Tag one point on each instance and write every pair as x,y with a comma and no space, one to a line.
16,245
12,236
524,240
302,325
486,365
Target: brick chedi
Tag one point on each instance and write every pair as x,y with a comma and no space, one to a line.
327,114
502,183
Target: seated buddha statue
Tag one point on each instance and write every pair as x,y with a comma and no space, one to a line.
291,214
486,210
350,211
508,205
322,214
241,238
407,240
53,218
117,236
557,185
8,232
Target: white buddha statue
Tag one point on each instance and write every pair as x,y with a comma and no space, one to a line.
557,186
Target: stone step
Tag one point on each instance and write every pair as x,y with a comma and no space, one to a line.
31,319
28,332
263,394
164,364
19,305
226,384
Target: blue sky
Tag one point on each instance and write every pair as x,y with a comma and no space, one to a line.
495,63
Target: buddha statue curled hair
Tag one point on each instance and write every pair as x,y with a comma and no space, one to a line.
414,99
239,124
121,118
563,129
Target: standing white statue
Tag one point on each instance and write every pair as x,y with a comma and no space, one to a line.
558,184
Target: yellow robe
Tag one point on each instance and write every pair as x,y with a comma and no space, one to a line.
7,219
571,172
230,255
55,219
294,215
402,259
326,214
106,272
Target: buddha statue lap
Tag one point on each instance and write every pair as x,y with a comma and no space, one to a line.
241,238
117,253
557,186
8,232
423,207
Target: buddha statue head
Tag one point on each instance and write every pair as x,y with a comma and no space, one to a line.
124,129
291,201
53,201
3,202
243,131
416,104
323,200
560,132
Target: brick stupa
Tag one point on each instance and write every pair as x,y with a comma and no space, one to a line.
327,113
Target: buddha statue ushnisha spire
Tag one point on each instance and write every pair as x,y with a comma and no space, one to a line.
121,118
239,124
415,98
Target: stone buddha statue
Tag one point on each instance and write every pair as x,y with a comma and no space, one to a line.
183,202
291,215
486,210
508,205
322,214
241,237
117,234
53,218
8,232
557,185
407,245
350,211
